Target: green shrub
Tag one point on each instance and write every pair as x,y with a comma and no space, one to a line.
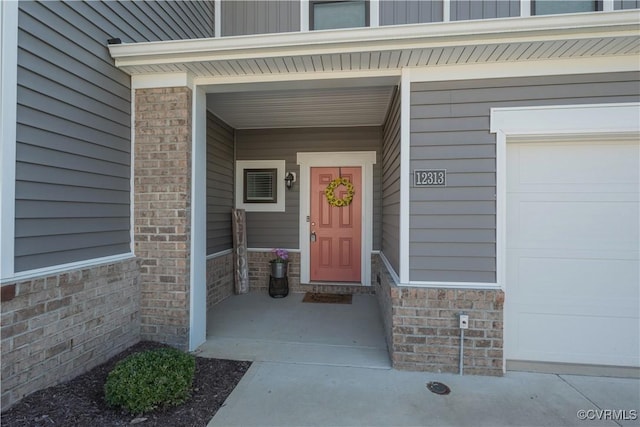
151,379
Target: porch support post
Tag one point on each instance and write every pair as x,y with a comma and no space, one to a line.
162,211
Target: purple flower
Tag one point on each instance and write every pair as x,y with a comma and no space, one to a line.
282,255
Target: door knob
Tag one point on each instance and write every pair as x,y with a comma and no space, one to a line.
313,236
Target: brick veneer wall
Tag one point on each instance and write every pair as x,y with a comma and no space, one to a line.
260,270
59,326
423,334
219,279
162,210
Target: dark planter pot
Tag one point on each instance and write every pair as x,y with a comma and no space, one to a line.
279,270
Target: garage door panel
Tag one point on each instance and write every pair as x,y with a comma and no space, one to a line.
548,163
578,339
593,278
579,224
573,249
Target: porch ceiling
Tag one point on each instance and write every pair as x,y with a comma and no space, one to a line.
386,50
359,106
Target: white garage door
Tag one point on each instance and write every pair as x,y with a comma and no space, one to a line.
572,279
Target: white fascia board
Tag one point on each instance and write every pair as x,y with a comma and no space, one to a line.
158,80
8,115
615,64
358,79
439,34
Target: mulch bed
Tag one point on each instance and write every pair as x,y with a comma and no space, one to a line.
80,402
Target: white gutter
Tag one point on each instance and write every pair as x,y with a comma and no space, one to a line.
440,34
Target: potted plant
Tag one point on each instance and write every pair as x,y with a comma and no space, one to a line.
279,263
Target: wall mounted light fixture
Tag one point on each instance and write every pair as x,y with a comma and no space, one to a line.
289,179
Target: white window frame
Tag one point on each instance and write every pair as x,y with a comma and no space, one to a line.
305,15
279,205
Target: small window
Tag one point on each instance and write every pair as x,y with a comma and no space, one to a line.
260,186
326,15
547,7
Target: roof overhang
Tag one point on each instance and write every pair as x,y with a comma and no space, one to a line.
390,48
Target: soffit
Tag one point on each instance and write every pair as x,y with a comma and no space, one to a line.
365,106
390,48
229,68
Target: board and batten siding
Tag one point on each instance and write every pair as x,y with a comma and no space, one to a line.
220,175
398,12
453,229
485,9
626,4
390,163
244,17
280,229
73,142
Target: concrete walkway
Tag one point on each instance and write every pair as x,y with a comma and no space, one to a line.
283,394
327,365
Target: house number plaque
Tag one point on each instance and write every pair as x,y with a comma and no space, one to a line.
430,177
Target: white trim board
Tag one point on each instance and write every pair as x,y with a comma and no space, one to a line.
438,34
158,80
281,191
62,268
198,238
546,67
217,18
364,159
219,254
8,114
546,123
405,175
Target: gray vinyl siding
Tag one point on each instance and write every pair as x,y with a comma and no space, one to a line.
391,185
243,17
220,175
484,9
73,148
280,229
397,12
452,229
626,4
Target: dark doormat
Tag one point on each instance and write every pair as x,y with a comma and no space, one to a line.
327,298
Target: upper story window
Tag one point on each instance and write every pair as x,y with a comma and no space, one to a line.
325,15
547,7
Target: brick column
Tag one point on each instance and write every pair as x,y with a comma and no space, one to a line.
162,211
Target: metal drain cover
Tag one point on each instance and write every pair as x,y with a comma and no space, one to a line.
438,388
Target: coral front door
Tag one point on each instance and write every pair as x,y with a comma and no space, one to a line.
336,231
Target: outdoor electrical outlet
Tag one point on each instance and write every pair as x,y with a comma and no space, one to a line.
464,321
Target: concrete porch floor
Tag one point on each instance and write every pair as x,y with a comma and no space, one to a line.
257,327
327,365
